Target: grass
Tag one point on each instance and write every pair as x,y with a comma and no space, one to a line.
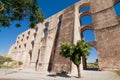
118,72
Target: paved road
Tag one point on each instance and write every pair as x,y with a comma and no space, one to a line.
28,74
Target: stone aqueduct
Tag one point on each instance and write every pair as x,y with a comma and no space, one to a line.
39,48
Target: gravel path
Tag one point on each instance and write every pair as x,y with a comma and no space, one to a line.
28,74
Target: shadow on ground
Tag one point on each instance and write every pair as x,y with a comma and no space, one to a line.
59,75
92,69
12,72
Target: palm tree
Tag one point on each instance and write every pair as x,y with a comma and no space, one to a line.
75,52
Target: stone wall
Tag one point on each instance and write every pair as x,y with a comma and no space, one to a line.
39,51
107,29
61,64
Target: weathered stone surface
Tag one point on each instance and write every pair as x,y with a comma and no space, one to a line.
108,47
40,51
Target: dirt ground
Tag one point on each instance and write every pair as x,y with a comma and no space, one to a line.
28,74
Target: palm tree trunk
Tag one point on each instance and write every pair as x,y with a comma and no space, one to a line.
78,69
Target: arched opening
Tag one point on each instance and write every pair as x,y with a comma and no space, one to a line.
28,33
23,35
60,18
32,43
30,54
19,46
88,35
15,47
29,58
59,23
36,29
27,37
46,31
21,39
47,24
92,60
35,34
86,20
117,8
25,45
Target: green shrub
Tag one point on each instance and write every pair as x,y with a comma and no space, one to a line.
20,63
5,59
118,72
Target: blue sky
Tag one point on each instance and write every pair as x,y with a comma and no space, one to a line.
48,7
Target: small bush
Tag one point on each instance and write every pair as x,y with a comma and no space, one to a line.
20,63
92,65
118,72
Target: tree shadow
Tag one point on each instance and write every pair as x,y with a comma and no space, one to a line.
11,72
62,74
92,69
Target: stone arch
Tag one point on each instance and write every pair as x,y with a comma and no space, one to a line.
92,59
83,6
85,13
87,27
117,7
95,57
85,18
93,44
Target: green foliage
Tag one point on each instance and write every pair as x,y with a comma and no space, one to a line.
5,59
15,10
82,48
67,49
75,58
74,52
